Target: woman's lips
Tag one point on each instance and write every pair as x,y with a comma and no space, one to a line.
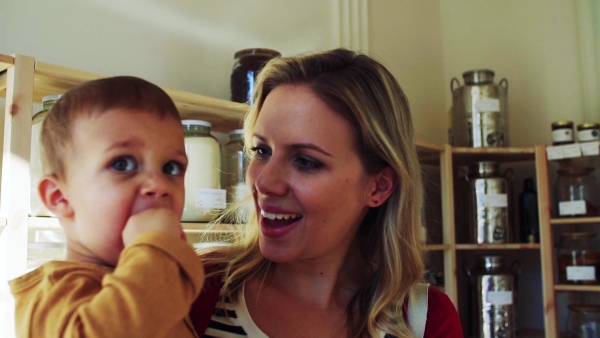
278,225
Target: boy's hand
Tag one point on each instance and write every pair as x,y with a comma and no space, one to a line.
156,219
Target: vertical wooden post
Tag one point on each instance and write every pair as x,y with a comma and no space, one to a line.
449,234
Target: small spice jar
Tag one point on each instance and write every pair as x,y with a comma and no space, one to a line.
562,133
588,132
36,207
203,196
235,164
584,320
578,260
247,64
576,192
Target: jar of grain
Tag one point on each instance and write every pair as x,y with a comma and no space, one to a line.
578,258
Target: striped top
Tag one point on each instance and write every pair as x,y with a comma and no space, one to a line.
232,320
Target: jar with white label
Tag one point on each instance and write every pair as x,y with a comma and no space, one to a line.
578,258
36,167
588,132
235,164
562,133
203,194
576,192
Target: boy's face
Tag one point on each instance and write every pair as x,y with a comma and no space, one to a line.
118,164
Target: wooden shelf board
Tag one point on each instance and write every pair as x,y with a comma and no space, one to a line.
44,223
437,247
465,156
575,220
429,153
53,79
6,61
579,288
509,246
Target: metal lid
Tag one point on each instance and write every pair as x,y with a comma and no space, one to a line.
582,234
484,168
236,132
53,97
562,123
196,123
256,51
575,171
489,261
584,307
588,125
478,76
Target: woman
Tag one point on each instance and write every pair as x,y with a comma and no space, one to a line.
333,246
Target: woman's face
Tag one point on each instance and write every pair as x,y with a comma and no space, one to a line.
309,185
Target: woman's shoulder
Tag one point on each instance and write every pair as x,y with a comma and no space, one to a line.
442,317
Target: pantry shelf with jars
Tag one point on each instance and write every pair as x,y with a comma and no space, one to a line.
570,222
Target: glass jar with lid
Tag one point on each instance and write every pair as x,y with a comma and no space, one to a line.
562,133
578,258
235,164
588,132
203,194
36,165
247,64
576,192
584,320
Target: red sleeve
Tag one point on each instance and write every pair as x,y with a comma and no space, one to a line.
442,318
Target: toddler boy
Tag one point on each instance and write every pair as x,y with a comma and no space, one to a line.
116,161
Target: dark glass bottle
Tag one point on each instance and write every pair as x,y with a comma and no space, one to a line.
248,62
528,213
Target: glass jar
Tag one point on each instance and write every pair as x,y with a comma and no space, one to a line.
578,259
584,320
588,132
562,133
247,64
36,166
203,194
235,164
576,192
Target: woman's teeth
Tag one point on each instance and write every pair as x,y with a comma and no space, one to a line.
271,216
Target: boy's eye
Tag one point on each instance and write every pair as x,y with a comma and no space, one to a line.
124,164
173,168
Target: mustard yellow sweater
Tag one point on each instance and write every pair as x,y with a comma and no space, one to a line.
148,294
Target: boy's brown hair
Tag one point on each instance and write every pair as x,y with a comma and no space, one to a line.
127,93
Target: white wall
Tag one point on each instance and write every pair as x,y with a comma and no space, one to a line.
534,45
180,44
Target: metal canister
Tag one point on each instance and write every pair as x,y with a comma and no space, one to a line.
489,199
479,110
493,301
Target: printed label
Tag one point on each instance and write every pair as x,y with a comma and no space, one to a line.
562,135
571,150
211,198
487,105
571,208
495,200
499,297
590,149
588,135
580,273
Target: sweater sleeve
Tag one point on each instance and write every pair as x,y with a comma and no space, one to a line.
147,295
442,317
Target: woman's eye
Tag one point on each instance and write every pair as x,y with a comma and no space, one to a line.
124,164
307,164
173,169
260,152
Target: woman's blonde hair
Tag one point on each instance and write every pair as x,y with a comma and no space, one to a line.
366,94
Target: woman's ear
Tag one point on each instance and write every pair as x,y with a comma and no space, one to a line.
53,197
385,183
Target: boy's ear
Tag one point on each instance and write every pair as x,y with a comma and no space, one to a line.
53,198
385,183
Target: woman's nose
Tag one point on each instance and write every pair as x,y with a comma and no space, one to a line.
269,178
